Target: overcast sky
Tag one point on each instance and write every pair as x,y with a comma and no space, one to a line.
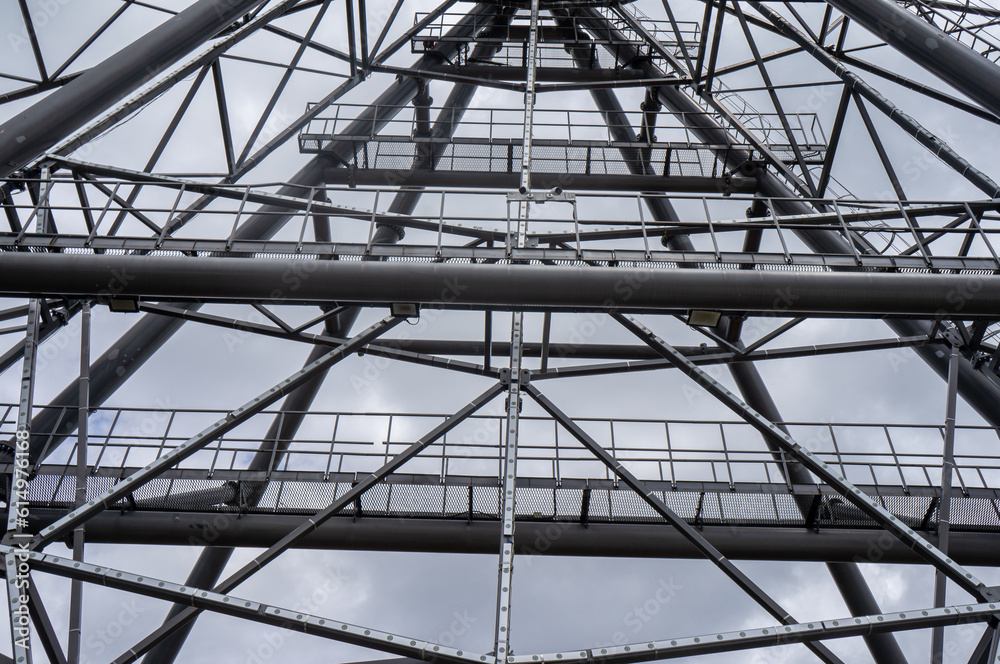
558,603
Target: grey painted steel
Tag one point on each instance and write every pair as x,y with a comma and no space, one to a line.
212,562
953,62
512,286
471,179
938,147
480,536
850,582
692,534
110,371
871,507
310,524
980,391
36,129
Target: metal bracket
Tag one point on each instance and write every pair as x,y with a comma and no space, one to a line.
556,194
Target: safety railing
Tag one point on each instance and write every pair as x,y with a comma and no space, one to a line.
675,450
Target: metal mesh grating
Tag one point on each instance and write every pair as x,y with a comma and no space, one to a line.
554,157
772,507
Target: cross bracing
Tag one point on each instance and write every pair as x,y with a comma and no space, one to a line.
760,183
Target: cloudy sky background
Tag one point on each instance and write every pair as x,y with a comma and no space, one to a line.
558,602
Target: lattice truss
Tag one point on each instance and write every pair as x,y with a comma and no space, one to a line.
618,224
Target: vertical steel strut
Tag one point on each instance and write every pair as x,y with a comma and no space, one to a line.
508,464
944,507
210,564
76,588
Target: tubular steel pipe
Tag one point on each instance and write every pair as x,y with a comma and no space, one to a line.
847,576
953,62
33,131
210,565
473,179
499,286
562,538
110,371
940,149
980,391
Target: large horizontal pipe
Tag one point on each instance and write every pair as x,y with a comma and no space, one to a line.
578,182
447,285
547,74
533,537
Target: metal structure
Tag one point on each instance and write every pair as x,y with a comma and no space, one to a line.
561,195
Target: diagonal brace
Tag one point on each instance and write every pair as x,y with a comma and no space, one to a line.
223,426
245,609
868,505
688,531
310,524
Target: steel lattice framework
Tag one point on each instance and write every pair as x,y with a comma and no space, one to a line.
610,188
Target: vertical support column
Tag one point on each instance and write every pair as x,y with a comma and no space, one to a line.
529,102
17,588
509,464
508,486
76,588
944,509
18,583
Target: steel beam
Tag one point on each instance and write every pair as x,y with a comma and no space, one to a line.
427,535
513,286
218,602
470,179
869,506
951,61
744,582
36,129
233,419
